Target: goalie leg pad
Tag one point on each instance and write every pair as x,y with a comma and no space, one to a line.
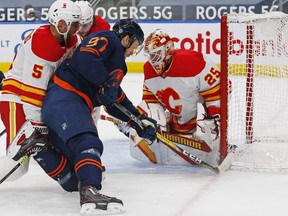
25,132
6,165
157,152
155,111
140,149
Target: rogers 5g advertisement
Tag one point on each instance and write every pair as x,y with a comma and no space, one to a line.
143,12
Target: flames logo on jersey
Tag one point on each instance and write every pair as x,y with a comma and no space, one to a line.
168,97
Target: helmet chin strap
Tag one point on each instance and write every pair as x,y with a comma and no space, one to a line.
65,34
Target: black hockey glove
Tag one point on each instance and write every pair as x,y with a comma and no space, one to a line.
108,92
149,129
213,123
2,76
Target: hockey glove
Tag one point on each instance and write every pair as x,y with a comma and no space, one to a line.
213,122
2,77
149,129
108,92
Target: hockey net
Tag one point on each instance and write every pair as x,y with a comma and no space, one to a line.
254,57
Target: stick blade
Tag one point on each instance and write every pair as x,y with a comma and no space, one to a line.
7,164
226,163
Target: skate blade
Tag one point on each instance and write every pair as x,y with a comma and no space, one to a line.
89,209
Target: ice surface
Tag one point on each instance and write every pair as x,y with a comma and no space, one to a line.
147,189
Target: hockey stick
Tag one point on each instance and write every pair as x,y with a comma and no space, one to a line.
117,122
192,159
108,118
185,141
142,144
19,153
21,161
2,132
222,167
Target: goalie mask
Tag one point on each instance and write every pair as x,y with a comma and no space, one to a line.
158,49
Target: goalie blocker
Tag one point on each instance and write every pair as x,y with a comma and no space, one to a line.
203,143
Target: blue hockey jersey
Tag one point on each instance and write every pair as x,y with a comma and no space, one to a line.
99,54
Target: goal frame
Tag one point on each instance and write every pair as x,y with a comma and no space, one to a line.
225,90
253,74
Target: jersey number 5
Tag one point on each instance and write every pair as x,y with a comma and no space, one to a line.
37,71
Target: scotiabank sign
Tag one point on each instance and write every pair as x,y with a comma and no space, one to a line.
203,37
200,36
201,43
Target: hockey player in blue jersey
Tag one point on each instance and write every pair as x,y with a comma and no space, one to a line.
92,78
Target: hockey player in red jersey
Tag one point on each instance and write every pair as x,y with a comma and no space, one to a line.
177,84
92,78
26,82
90,22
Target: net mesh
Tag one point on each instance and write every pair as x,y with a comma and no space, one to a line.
257,106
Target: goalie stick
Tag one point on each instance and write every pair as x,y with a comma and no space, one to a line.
19,153
225,165
185,141
187,156
2,132
181,152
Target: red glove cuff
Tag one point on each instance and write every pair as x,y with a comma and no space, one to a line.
213,110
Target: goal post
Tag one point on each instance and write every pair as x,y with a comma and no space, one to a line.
254,115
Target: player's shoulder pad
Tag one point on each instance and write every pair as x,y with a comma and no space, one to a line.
45,46
149,71
188,63
100,24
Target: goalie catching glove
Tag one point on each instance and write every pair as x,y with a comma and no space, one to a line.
147,130
213,123
108,92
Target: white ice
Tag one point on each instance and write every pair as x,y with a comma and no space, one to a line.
147,189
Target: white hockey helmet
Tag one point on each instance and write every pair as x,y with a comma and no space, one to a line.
158,49
64,10
87,12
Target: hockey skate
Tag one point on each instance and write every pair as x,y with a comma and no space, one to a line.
32,145
94,203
